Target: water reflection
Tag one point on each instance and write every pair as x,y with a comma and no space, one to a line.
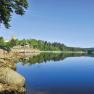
57,74
45,57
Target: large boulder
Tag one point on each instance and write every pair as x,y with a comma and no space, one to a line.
11,77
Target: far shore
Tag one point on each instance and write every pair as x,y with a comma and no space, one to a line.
63,52
51,52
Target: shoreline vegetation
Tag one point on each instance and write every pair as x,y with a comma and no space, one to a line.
14,49
33,46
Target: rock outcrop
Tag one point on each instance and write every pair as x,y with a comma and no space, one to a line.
7,89
11,77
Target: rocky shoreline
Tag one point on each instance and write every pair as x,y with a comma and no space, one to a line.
11,82
10,89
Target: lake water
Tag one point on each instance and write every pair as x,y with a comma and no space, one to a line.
58,74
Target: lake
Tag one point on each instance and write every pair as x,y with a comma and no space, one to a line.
58,74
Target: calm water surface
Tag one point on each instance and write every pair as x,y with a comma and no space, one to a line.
72,75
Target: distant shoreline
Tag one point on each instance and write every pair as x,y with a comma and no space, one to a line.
27,51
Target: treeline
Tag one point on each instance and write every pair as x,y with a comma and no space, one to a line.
38,44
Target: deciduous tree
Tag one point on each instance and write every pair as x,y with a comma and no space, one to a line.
7,7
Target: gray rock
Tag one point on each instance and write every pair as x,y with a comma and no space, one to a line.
11,77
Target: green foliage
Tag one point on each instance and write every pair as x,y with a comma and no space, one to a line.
1,41
47,46
45,57
7,7
12,43
39,44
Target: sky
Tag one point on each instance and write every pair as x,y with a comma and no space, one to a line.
66,21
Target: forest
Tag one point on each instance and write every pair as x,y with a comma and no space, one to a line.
38,44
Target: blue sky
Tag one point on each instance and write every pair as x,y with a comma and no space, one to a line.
67,21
